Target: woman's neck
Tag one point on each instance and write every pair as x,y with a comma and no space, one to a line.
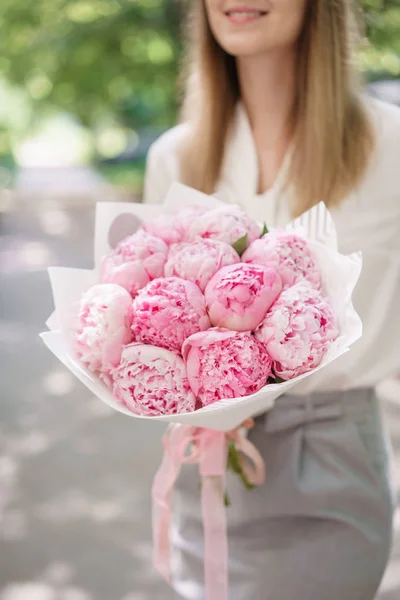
268,88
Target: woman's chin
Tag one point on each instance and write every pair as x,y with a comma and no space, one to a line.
244,47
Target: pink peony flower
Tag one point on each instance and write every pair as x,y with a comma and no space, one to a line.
289,253
298,330
167,311
172,228
103,326
136,260
198,261
239,296
227,224
225,364
152,381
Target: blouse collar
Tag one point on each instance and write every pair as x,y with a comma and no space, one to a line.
240,172
240,166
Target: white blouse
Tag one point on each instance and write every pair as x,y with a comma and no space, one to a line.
367,220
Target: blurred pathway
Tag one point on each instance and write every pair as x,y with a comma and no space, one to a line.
75,477
69,183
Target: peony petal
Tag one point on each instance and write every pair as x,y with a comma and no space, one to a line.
227,364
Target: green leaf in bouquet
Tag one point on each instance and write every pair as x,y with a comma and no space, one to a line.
277,379
241,244
265,230
235,465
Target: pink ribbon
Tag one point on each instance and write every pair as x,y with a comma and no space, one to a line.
208,448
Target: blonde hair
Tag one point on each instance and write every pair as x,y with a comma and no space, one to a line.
333,137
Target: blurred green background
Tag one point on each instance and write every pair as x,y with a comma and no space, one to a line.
94,81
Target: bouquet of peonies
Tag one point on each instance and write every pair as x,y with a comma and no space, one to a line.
202,316
197,315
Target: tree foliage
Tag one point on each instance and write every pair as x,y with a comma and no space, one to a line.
94,57
381,56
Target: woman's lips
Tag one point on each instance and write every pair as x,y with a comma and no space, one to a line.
244,16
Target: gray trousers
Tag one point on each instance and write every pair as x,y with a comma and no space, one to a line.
320,527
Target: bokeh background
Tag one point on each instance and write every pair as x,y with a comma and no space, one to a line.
85,87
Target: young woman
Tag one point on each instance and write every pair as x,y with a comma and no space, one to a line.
273,120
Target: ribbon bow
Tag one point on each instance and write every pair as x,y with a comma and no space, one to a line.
187,445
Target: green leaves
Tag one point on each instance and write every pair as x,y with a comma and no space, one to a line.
234,465
381,58
107,52
241,244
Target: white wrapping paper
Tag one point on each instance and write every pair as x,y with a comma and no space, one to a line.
115,221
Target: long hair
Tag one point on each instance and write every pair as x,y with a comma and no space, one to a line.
332,134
